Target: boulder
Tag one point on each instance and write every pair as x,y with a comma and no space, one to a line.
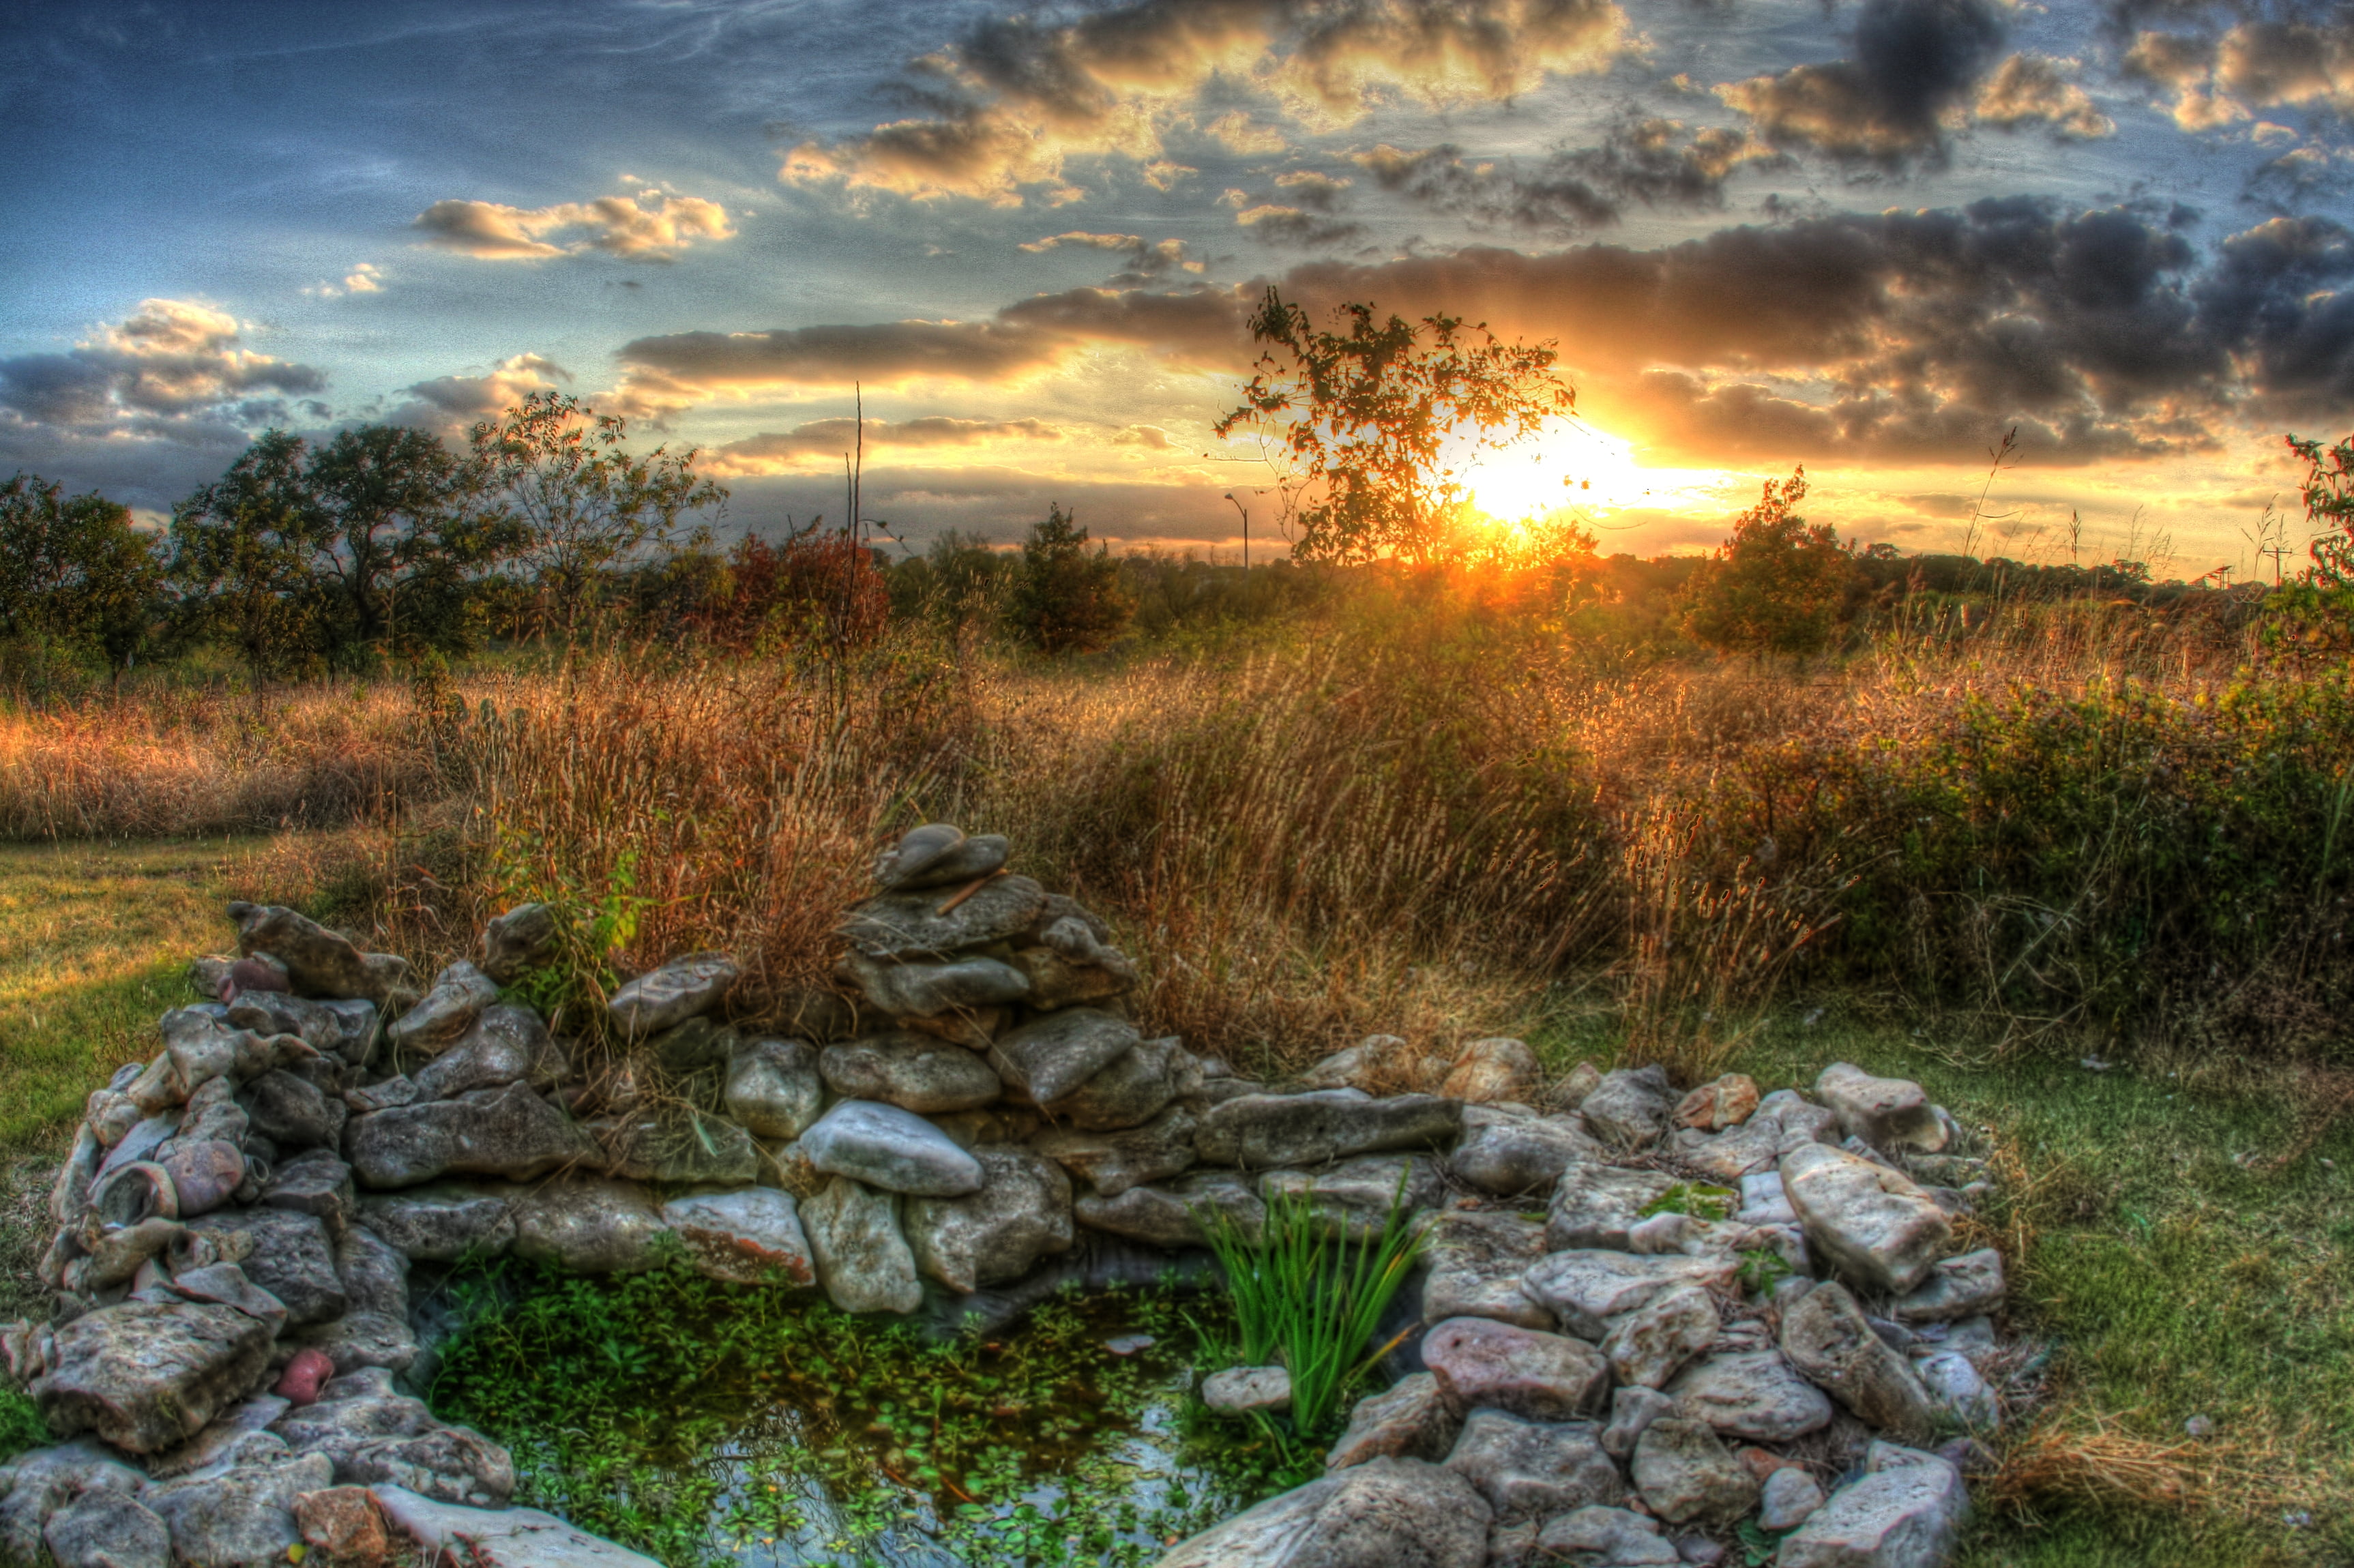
678,1146
749,1237
925,924
1633,1408
1608,1538
862,1256
1721,1103
317,1184
503,1046
1353,1199
1789,1496
459,994
1826,1338
1238,1391
1750,1394
914,1072
1058,979
1961,1286
292,1257
1631,1107
345,1029
921,988
1112,1162
1534,1470
449,1535
1167,1214
773,1086
1271,1131
891,1148
1597,1205
599,1226
1586,1289
1492,1070
107,1528
1132,1089
1647,1346
1384,1513
1889,1114
242,1519
938,854
145,1375
1409,1421
1903,1518
1473,1261
1506,1154
1685,1474
446,1222
1049,1057
666,997
291,1112
343,1524
1542,1377
1957,1390
518,941
1021,1213
509,1132
370,1436
318,962
1377,1064
1875,1226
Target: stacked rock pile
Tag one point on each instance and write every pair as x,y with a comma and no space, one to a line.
1632,1368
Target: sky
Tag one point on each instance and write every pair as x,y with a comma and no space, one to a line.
1870,239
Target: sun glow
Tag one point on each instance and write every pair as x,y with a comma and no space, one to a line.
1576,467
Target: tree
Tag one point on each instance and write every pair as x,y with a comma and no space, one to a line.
1362,421
243,551
75,569
1066,599
2328,492
1777,584
402,538
559,472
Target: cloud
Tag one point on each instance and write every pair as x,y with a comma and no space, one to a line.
2218,79
1238,133
654,226
1018,99
2027,88
1299,212
1915,62
1656,162
451,405
1148,261
829,439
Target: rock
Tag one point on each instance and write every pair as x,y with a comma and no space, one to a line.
1721,1103
304,1376
1826,1338
107,1528
1783,1121
459,994
749,1237
70,1191
1631,1106
144,1376
921,988
914,1072
1506,1155
1385,1513
317,1184
1597,1205
228,1285
243,1519
678,1146
1353,1199
975,1029
1488,1071
916,925
1889,1114
317,961
446,1222
666,997
1960,1287
1956,1390
599,1226
1272,1131
862,1258
1163,1214
204,1173
342,1028
1903,1518
292,1258
510,1132
1873,1225
1789,1496
1584,1289
773,1087
344,1524
1113,1162
1534,1470
519,940
1000,1123
1607,1537
1542,1377
938,854
359,1340
133,1193
1684,1474
1132,1090
1021,1213
1058,981
690,1046
41,1482
1647,1346
502,1537
1762,1202
1049,1057
886,1147
372,1435
1632,1411
1474,1261
1410,1421
502,1045
1240,1390
291,1112
1377,1064
1755,1395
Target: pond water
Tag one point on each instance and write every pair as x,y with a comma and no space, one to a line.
709,1425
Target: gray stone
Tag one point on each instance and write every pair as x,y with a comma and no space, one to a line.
243,1519
446,1222
501,1538
915,924
678,1146
1112,1162
1508,1154
1377,1064
1597,1205
915,861
1385,1513
107,1528
1631,1107
1273,1131
510,1132
342,1028
1961,1286
1649,1345
517,941
1903,1518
1000,1123
862,1257
1408,1421
687,1048
667,997
503,1046
1132,1090
1496,1069
1058,979
45,1480
1353,1200
1684,1473
292,1257
1534,1470
228,1285
441,1015
1752,1393
1826,1338
886,1147
1586,1289
1474,1260
358,1340
1789,1496
750,1237
773,1087
600,1226
204,1172
921,988
1542,1377
1021,1213
1875,1226
292,1113
1889,1114
318,962
317,1184
914,1072
144,1376
1957,1389
1166,1214
1240,1390
1607,1538
372,1435
1632,1411
1049,1057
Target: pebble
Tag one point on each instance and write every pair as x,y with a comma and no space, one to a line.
1129,1344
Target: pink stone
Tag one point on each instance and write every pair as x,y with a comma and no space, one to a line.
304,1375
1536,1376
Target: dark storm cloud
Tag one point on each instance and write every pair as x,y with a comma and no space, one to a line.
1914,61
1656,162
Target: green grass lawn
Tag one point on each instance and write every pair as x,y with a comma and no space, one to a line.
2184,1242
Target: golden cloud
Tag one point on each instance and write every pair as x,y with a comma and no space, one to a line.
654,226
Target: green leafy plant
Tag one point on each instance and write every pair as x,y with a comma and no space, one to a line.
1698,1199
1760,1269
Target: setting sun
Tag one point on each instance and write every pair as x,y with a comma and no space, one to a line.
1575,467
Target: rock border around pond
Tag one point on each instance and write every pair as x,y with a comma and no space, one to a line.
1645,1317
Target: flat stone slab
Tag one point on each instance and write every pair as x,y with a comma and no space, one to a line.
920,1073
913,924
1506,1155
1169,1214
862,1258
748,1237
1755,1395
510,1132
1050,1057
455,1537
667,997
896,1150
1875,1226
446,1221
1586,1289
1261,1132
1903,1518
145,1376
1386,1512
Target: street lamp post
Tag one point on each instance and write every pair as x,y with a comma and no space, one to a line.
1246,511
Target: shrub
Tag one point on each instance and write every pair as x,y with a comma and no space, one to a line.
1066,600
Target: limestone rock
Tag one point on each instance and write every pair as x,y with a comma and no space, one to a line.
1353,1199
1112,1162
345,1029
1165,1215
1534,1470
518,941
1021,1213
371,1435
144,1376
1721,1103
1272,1131
1752,1393
318,962
344,1524
291,1112
1409,1421
862,1257
503,1046
1876,1227
1584,1289
1631,1106
599,1226
1607,1537
923,989
510,1132
1377,1064
447,1221
666,997
459,994
1826,1338
914,1072
1789,1496
1488,1071
1647,1346
1240,1390
1889,1114
773,1087
1960,1287
243,1519
293,1258
1049,1057
915,924
1904,1518
1058,979
1385,1513
1474,1260
1507,1153
746,1237
1597,1205
1957,1389
42,1481
1684,1474
228,1285
1132,1089
317,1184
886,1147
1633,1408
1479,1363
679,1145
107,1528
500,1538
938,854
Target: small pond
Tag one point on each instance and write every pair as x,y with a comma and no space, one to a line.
708,1424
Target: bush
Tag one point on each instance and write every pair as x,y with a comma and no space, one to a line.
1066,600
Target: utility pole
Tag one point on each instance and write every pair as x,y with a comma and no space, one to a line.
1246,511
